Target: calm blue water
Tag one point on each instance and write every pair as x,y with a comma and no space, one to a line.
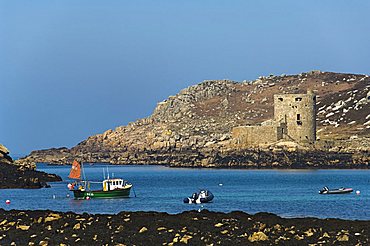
292,193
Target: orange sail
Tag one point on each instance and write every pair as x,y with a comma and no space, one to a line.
75,170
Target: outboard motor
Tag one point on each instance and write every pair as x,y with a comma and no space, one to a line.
194,196
191,199
187,200
324,190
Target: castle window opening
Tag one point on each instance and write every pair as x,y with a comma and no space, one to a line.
298,99
280,99
299,122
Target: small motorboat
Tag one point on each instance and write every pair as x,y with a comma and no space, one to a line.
203,196
342,190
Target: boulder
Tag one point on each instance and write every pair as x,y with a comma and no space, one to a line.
3,150
258,236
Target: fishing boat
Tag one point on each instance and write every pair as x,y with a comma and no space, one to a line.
342,190
111,187
203,196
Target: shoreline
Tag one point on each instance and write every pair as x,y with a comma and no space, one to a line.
362,167
248,158
43,227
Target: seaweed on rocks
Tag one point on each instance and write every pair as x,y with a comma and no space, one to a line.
191,227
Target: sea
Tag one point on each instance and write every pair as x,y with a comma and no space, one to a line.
287,193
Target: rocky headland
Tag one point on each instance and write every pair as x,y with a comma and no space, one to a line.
21,174
191,227
193,128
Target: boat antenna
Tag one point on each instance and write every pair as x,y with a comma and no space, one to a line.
83,171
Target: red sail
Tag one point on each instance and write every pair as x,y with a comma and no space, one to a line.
75,170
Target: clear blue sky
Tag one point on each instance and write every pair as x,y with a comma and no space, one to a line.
71,69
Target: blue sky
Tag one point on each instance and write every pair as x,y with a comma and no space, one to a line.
71,69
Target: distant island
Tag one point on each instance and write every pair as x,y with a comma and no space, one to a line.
311,120
201,126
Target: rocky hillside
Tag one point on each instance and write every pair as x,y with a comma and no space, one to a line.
194,127
4,155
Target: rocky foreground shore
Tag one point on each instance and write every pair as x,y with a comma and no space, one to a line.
192,227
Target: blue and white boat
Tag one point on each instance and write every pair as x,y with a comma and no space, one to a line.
203,196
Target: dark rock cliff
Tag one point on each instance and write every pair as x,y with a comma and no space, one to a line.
21,174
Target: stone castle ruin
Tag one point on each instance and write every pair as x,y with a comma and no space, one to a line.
294,120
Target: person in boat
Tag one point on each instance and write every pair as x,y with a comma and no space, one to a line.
81,188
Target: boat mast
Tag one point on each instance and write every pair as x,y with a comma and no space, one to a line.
83,171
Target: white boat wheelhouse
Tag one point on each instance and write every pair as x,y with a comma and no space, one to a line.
114,184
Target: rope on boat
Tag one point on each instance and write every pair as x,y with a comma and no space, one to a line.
134,191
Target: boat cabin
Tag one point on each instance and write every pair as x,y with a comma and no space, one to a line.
113,184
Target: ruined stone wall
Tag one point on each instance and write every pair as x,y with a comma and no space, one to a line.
299,113
256,135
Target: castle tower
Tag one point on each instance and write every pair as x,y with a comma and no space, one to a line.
298,111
